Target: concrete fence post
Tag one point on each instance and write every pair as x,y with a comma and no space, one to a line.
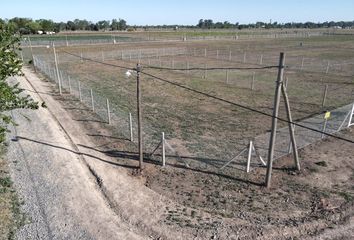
163,149
69,81
131,127
108,112
327,68
253,80
92,101
80,95
250,148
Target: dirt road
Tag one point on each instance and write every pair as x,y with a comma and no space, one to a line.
61,196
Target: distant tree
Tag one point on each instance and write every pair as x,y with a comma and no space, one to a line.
114,24
103,25
33,27
122,24
11,96
46,25
70,25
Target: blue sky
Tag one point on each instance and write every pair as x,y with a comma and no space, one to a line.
181,12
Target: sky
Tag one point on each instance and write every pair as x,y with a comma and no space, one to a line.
184,12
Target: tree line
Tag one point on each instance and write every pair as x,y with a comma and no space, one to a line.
209,24
29,26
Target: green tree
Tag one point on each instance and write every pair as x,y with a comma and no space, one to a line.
11,97
122,24
33,27
46,25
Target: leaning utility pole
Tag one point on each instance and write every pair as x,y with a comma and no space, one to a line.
275,119
280,89
140,133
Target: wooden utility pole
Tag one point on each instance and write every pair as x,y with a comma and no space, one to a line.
140,133
275,119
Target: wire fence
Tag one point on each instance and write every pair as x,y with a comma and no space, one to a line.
191,141
107,39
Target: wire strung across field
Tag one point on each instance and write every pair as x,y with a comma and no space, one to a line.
218,98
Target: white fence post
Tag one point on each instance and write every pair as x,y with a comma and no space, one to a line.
227,76
261,60
80,95
92,102
163,149
250,148
57,69
108,112
244,57
69,79
327,69
230,55
131,127
324,96
205,71
253,79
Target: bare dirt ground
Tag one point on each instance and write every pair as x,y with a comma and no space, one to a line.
318,202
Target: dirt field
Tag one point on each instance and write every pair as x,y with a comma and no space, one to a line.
205,128
298,205
232,205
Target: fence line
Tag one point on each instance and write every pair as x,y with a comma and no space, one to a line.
123,120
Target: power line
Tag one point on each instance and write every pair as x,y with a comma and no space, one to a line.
245,107
212,68
96,61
